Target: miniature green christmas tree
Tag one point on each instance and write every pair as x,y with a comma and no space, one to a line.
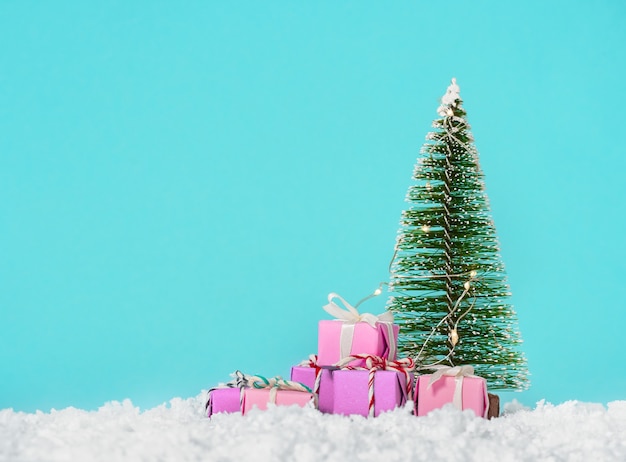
452,300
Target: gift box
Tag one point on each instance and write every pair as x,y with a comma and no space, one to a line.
259,398
463,391
344,391
380,340
247,391
304,375
223,400
353,333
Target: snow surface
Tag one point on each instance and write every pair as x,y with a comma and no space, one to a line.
179,431
449,99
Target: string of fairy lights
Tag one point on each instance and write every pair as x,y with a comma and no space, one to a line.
453,332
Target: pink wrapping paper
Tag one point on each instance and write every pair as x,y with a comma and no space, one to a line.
223,400
260,398
367,340
346,391
441,393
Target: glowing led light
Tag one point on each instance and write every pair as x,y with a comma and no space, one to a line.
425,228
454,337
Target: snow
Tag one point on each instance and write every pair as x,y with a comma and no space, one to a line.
180,431
447,100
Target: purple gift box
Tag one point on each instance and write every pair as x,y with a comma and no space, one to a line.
224,400
304,375
346,391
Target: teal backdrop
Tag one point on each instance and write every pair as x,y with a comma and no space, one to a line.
183,183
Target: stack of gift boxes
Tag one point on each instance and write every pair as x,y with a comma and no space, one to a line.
355,371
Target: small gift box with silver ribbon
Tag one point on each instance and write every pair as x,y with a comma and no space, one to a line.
457,385
353,333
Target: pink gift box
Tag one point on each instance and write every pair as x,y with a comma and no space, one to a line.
223,400
441,392
366,340
346,391
259,398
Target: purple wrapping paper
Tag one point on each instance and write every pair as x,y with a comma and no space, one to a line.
346,391
304,375
223,400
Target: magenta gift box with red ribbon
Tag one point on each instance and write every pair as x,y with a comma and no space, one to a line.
379,385
353,333
462,389
346,392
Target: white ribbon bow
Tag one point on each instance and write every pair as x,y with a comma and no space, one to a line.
459,373
350,316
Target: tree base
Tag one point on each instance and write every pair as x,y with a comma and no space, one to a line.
494,406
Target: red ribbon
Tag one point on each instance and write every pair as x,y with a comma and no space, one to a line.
377,363
312,363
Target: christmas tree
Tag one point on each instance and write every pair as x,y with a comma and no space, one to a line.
451,296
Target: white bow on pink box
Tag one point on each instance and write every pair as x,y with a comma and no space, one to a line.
355,333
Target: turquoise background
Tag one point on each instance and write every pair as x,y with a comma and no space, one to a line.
182,184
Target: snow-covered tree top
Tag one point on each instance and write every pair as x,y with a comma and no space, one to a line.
448,100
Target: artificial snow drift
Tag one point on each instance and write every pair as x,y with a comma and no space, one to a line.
180,431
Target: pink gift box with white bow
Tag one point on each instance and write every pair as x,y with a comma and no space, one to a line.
353,333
